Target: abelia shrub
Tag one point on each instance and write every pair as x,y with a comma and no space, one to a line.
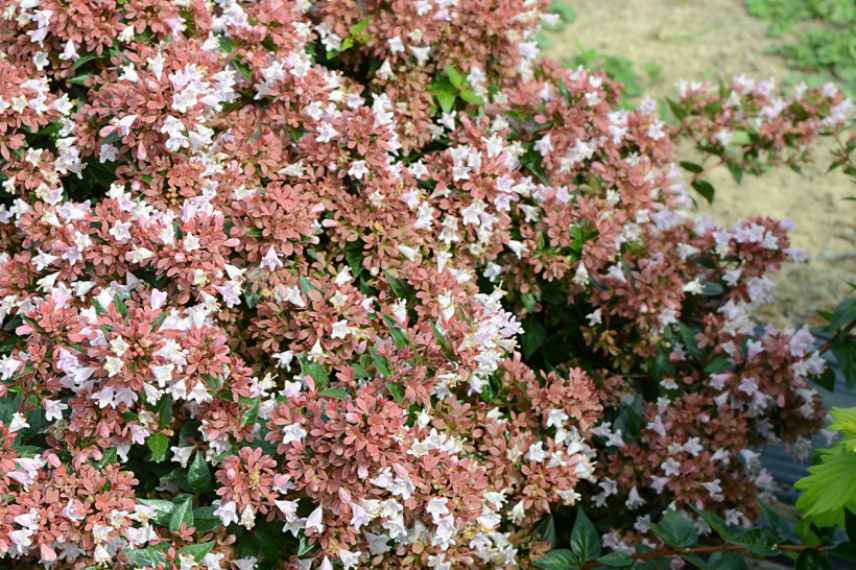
351,284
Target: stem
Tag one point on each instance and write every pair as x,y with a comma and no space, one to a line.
841,332
666,551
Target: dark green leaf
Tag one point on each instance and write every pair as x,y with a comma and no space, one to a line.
736,171
150,557
197,551
533,337
162,510
182,514
205,520
396,391
691,166
557,560
850,525
844,350
199,474
164,410
546,529
380,363
725,561
585,540
82,60
717,365
616,560
706,189
812,560
676,530
677,109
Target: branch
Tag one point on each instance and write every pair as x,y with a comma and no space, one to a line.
666,552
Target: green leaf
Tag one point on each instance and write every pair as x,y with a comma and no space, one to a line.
158,445
843,315
354,256
691,167
150,557
844,350
252,414
121,308
164,410
740,138
162,510
677,109
726,561
844,420
557,560
398,335
198,474
316,371
380,363
546,529
83,60
444,92
304,547
736,171
182,514
706,189
205,520
616,560
585,540
533,337
828,488
676,530
109,457
469,96
850,525
306,285
826,380
396,391
337,393
812,560
717,365
456,78
197,551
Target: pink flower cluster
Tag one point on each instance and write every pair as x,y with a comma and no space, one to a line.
253,250
750,125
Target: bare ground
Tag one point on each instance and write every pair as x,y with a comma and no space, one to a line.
712,39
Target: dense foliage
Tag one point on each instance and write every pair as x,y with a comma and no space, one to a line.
367,284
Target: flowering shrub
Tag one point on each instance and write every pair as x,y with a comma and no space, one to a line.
351,284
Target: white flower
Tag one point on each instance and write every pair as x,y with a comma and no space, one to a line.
536,453
340,329
181,455
227,513
315,520
19,422
358,169
113,365
54,409
292,433
271,260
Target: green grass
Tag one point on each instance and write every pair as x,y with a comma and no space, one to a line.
818,37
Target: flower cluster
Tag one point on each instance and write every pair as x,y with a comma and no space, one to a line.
750,125
361,284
